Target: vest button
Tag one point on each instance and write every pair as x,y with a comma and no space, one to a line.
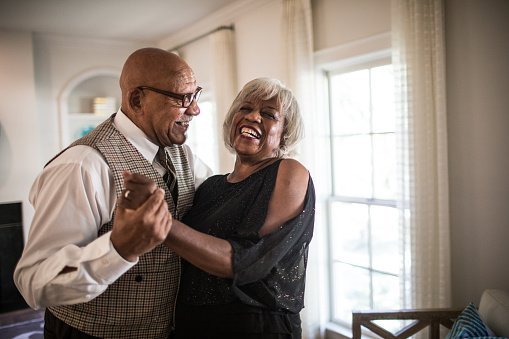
138,278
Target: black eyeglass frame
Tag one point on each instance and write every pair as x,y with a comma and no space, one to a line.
186,99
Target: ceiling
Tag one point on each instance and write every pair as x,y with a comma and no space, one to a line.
141,20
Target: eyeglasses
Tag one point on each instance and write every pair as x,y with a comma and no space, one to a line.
185,99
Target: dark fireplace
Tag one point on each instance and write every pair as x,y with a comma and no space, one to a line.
11,246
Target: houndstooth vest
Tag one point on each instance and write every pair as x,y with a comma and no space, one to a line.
140,304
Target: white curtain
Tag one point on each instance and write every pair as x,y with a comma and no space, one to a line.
223,68
298,53
419,62
297,33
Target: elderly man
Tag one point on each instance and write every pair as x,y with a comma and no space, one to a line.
99,269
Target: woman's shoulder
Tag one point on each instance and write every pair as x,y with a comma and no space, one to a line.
292,169
288,198
292,181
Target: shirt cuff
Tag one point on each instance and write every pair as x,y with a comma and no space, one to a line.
109,266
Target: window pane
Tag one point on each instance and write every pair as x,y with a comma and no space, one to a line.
202,135
384,228
352,166
363,220
382,96
385,292
349,228
386,297
384,166
351,291
350,103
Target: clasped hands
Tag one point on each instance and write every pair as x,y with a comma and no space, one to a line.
142,220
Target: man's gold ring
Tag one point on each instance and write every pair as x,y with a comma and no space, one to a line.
126,194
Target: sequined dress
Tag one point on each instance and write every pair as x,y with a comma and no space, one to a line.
266,294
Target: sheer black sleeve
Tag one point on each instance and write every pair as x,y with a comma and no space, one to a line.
270,271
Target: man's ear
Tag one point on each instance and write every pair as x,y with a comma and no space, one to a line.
135,98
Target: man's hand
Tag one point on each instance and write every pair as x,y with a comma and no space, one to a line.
138,188
141,223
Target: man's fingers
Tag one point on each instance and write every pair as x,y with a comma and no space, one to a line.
165,219
121,208
157,207
149,187
127,200
152,204
162,211
138,188
138,193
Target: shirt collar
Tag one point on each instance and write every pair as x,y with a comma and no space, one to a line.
135,136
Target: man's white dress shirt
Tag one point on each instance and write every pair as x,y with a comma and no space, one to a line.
73,197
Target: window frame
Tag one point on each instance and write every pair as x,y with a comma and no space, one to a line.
351,53
342,68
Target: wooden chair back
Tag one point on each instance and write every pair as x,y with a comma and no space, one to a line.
422,318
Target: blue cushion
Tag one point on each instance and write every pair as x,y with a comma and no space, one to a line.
468,325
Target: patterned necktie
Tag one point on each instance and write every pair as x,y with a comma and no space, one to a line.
170,177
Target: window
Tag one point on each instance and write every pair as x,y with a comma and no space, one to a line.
363,219
202,135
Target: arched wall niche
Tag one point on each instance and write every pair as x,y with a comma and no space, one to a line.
77,112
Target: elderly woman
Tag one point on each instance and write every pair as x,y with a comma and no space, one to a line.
245,240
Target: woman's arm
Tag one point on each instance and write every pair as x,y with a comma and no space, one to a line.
213,254
209,253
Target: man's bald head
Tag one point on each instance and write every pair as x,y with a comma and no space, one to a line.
147,75
153,67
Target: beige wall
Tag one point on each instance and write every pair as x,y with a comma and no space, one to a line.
477,40
19,132
337,22
258,45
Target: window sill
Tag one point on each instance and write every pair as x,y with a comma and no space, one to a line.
336,331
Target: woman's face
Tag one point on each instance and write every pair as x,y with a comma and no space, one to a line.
257,128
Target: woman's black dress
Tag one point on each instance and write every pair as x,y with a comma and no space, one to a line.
266,294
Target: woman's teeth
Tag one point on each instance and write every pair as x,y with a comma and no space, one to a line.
249,132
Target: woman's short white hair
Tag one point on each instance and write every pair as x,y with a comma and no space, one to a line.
262,89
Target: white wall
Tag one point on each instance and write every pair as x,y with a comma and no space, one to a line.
19,122
59,60
34,70
477,40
